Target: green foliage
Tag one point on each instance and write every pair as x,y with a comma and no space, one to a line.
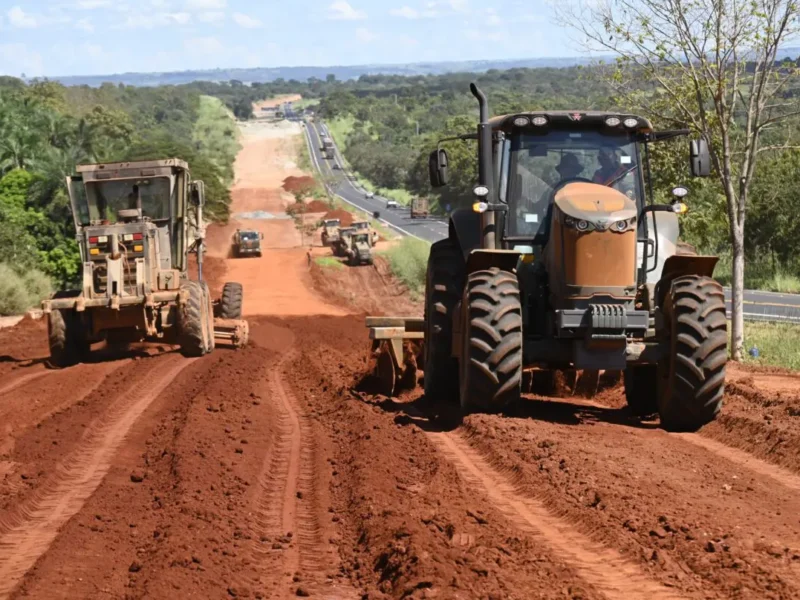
19,292
408,260
778,344
328,262
215,135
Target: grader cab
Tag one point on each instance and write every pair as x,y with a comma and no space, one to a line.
564,261
137,222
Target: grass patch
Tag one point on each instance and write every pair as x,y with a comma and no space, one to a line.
778,344
409,260
304,103
760,274
339,129
19,292
215,134
329,262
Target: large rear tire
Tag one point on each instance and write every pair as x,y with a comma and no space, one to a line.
444,284
208,316
693,378
66,338
230,306
193,320
641,389
490,366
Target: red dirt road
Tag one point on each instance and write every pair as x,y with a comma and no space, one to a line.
274,472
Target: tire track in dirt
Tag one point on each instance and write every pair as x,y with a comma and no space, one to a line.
601,567
743,459
28,533
288,507
23,380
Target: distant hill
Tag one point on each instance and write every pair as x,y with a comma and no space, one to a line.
260,75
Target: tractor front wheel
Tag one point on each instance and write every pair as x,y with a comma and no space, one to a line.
490,365
692,380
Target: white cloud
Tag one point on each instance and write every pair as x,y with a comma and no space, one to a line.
91,4
406,12
84,25
492,18
365,36
211,16
206,4
341,10
204,45
459,5
19,18
246,21
16,59
151,21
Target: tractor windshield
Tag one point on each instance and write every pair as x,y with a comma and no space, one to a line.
106,198
362,238
535,165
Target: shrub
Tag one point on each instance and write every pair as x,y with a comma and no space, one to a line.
18,292
409,260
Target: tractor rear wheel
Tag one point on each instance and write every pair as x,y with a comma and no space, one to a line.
444,283
230,306
641,389
490,365
66,338
693,378
193,320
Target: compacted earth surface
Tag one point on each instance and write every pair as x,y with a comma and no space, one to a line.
274,471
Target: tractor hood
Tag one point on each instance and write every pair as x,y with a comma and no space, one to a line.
598,205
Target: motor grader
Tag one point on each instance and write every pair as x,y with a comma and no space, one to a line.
565,261
136,224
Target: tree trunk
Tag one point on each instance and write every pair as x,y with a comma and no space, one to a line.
737,294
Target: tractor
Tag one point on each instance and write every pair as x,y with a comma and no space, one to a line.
136,224
564,260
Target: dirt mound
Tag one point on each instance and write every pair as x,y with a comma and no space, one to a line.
345,217
22,343
303,183
317,206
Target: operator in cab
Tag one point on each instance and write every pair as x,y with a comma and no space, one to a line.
610,167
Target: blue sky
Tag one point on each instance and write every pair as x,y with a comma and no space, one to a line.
71,37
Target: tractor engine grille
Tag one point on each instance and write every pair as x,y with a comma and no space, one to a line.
100,279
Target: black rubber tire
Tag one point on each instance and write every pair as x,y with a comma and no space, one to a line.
66,338
193,321
230,306
641,389
693,381
490,366
444,284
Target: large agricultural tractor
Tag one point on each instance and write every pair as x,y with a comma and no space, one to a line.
564,261
136,224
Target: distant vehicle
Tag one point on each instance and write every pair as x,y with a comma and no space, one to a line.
330,232
419,208
247,242
369,195
336,166
392,204
327,147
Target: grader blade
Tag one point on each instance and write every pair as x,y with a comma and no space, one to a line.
234,332
396,347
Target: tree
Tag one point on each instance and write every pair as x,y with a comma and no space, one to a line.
714,64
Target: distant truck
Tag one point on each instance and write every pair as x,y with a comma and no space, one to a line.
419,208
330,231
247,242
341,245
327,147
364,227
359,251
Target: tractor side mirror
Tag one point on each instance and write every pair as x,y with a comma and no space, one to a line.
699,158
197,193
437,167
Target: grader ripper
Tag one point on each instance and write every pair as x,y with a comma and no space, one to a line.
136,224
564,261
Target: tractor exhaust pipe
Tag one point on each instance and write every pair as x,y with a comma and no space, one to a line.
485,177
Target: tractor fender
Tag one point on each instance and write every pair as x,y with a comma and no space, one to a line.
679,265
465,229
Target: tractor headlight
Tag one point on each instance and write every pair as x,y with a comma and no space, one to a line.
569,221
582,225
621,225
